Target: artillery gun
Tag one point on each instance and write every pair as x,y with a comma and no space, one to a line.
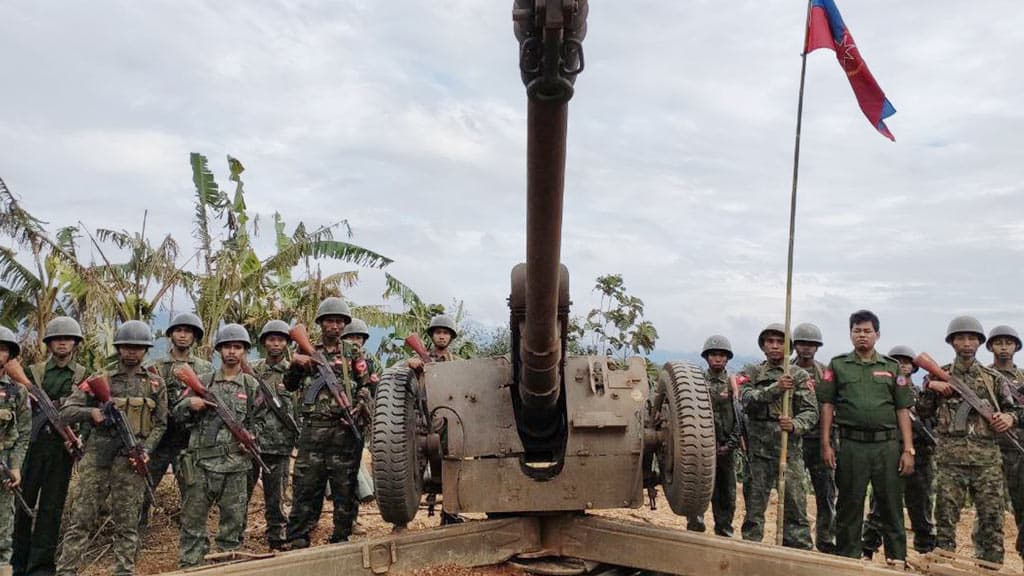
540,430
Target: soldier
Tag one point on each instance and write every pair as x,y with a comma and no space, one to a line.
442,332
717,352
967,456
806,341
47,468
184,332
328,451
278,429
105,471
864,393
15,430
214,467
1003,342
364,368
918,493
762,389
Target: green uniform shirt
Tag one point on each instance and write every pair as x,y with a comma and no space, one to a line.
866,394
56,381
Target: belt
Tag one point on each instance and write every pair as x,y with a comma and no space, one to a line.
322,422
868,435
215,451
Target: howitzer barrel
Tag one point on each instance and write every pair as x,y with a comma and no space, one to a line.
550,33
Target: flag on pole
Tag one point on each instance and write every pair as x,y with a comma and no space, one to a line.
827,30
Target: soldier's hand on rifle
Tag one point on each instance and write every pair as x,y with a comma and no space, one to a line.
196,404
786,382
786,423
15,479
1001,422
302,360
415,363
828,455
940,387
97,416
906,463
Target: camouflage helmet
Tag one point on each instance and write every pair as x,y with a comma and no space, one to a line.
807,332
188,320
1003,331
333,306
63,327
443,321
964,324
902,351
358,327
773,327
8,337
232,333
279,327
716,342
134,333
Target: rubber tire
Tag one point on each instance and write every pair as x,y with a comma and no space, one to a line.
397,465
690,423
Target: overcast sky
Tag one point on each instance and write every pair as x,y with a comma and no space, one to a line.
408,119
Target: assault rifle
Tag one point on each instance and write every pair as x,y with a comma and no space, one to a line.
741,419
272,400
983,407
244,438
8,478
918,426
72,443
327,377
98,386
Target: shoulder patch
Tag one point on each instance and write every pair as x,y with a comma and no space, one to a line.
242,396
742,379
901,380
154,384
827,375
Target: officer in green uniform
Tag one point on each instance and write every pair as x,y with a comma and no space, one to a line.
967,457
328,451
869,400
15,428
918,488
214,466
105,473
762,387
717,352
183,333
278,433
1003,342
47,468
806,341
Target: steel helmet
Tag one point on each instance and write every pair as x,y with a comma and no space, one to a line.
189,320
134,333
1005,332
902,351
232,333
807,332
279,327
443,321
63,327
333,306
964,324
8,337
356,326
716,342
773,327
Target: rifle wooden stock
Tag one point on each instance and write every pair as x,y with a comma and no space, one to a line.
301,338
245,439
72,443
99,387
987,411
413,341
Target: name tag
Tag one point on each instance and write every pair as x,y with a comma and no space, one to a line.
882,373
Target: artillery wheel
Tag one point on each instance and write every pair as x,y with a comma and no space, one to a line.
398,464
686,460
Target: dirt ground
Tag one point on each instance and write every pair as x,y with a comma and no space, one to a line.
160,545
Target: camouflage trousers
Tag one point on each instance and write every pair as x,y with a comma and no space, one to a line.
328,454
823,482
919,499
228,491
984,484
1013,473
6,523
90,491
762,478
163,457
274,485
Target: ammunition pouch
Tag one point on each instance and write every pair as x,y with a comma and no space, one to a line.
138,413
185,464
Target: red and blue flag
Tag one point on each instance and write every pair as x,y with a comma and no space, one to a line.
826,29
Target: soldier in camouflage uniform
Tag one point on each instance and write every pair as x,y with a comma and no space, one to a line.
806,341
184,332
105,471
869,400
328,451
1003,342
364,368
717,352
15,429
47,468
967,457
214,466
278,434
761,390
918,488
